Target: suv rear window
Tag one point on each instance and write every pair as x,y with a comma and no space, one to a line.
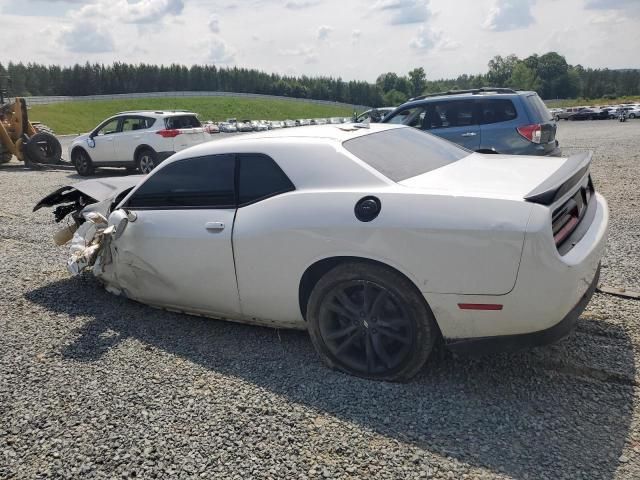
538,107
402,153
182,121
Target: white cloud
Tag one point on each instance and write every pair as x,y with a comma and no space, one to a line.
220,52
308,54
301,4
324,31
355,36
86,37
214,24
427,39
405,11
509,15
142,11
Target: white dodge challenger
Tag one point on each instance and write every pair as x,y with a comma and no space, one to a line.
379,241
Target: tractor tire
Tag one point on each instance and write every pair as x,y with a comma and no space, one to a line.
5,157
42,128
43,148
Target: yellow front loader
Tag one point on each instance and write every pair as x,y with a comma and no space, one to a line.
19,138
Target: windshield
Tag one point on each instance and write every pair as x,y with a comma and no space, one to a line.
402,153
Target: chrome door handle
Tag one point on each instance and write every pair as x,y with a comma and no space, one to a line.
214,226
469,134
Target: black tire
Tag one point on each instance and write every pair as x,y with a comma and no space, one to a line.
557,118
632,115
43,148
146,160
370,321
82,162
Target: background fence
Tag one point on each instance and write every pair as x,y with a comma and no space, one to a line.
124,96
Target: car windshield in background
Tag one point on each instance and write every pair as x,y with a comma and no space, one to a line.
403,153
182,121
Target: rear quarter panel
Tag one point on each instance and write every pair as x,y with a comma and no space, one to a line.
443,244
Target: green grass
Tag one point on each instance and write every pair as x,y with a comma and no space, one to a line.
77,117
578,102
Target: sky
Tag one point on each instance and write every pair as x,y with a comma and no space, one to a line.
351,39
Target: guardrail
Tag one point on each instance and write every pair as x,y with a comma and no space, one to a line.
123,96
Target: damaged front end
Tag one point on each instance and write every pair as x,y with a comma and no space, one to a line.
88,206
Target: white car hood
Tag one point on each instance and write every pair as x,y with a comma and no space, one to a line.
486,175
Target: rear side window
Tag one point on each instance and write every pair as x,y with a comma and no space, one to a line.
136,123
538,108
403,153
452,114
182,121
259,178
200,182
498,110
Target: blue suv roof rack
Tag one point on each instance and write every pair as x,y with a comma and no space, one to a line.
473,91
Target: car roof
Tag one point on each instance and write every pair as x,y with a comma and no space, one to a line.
453,96
339,133
156,113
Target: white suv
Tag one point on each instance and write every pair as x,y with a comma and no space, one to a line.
136,140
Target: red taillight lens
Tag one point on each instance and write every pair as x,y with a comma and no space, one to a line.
169,133
565,225
533,132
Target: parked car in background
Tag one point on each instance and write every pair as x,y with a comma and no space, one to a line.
257,126
556,112
335,120
288,124
228,127
486,120
139,139
567,112
245,126
631,111
374,115
211,127
482,252
590,114
276,124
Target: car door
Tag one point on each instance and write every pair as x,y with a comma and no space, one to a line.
102,141
456,121
177,252
129,139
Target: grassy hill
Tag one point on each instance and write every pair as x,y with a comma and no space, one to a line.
77,117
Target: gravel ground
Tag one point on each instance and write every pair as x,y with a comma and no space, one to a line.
95,386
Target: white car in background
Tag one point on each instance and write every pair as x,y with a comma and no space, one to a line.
380,241
137,139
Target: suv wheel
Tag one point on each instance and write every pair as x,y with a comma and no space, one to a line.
147,161
82,162
369,321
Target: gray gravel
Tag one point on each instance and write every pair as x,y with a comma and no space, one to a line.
95,386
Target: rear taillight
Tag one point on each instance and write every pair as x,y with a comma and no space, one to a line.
533,132
168,133
565,222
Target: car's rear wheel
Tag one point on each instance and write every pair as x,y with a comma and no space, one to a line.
82,162
370,321
147,160
557,118
632,115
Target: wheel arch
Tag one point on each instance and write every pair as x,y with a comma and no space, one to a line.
79,148
317,270
140,148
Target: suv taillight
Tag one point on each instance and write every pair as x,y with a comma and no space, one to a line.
169,133
533,132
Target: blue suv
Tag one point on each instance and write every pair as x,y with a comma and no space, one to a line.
485,120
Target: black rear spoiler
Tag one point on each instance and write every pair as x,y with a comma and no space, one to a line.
562,181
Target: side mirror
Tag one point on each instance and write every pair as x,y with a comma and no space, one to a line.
91,142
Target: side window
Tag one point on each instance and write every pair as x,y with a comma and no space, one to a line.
182,121
108,128
260,177
200,182
452,114
413,117
499,110
130,124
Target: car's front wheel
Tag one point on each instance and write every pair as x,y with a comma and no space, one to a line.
147,160
82,162
370,321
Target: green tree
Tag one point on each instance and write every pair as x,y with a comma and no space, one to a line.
500,70
418,81
393,98
524,78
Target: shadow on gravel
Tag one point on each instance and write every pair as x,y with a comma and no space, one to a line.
557,412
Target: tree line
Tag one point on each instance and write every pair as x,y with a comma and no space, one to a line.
549,74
